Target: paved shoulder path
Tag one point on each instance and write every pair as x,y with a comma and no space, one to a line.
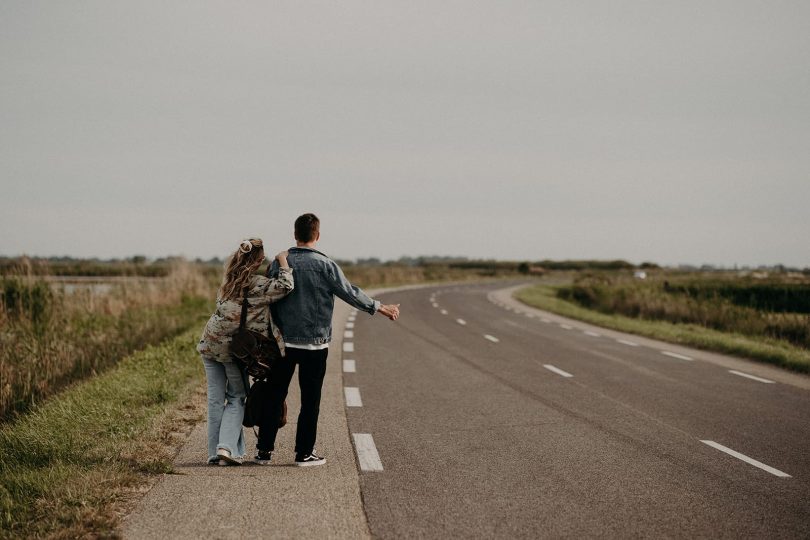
279,500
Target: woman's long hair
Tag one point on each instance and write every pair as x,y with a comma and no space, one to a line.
240,268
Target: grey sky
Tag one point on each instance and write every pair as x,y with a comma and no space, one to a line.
677,132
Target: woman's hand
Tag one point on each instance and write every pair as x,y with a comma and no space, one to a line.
282,259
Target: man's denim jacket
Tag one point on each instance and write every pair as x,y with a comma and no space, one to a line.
305,315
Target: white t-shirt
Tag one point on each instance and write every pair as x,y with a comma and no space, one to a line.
307,346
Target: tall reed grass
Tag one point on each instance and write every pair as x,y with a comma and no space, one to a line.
392,275
49,337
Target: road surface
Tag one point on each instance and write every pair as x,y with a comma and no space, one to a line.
475,417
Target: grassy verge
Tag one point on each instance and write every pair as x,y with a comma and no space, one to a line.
70,465
763,349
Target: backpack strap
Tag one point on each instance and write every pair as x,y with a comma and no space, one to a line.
243,317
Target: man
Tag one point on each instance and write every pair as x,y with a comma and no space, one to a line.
305,320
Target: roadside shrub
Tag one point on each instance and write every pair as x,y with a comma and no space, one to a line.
32,301
726,305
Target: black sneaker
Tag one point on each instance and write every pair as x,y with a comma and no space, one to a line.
263,457
309,460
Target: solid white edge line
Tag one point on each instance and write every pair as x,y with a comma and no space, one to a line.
557,370
462,322
493,339
367,455
676,355
352,394
348,346
349,366
750,461
625,342
348,334
753,377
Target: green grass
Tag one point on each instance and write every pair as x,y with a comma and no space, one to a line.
759,348
70,464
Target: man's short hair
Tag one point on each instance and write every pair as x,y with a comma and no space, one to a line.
307,228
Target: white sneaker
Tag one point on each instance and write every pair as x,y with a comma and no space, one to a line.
225,457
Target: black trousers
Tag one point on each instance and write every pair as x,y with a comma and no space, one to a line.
311,371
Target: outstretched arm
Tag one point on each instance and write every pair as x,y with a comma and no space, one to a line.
355,297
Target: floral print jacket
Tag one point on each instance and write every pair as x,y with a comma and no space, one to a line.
223,324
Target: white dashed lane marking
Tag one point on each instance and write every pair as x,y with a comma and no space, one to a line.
352,396
676,355
443,312
592,334
567,327
349,366
462,322
557,370
348,334
348,346
625,342
547,321
752,377
493,339
750,461
349,325
367,455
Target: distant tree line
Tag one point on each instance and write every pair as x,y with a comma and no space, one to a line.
140,265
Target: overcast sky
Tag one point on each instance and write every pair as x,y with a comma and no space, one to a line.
675,132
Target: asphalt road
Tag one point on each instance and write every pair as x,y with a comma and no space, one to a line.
541,431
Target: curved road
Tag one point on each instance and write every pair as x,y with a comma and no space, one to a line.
493,420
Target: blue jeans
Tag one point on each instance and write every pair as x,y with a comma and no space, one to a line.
226,407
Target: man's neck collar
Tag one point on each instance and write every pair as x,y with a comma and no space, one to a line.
309,249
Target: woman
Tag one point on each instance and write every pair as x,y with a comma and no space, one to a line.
227,384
